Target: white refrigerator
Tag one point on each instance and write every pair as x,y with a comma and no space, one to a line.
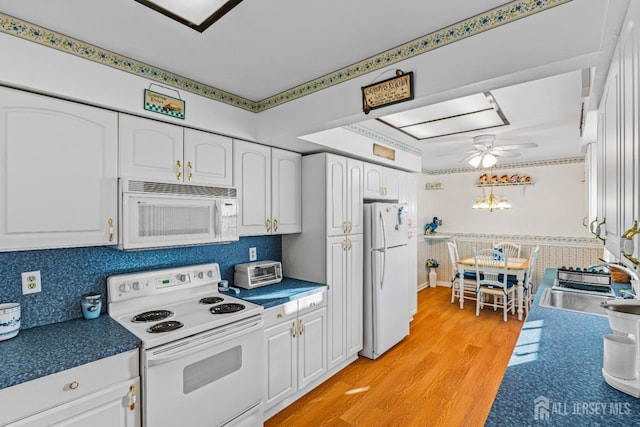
386,279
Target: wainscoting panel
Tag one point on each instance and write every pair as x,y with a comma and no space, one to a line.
554,252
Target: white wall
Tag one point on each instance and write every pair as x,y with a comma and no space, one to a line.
553,206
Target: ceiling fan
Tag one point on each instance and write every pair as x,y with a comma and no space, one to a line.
485,153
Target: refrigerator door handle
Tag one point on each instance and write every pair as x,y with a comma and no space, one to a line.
384,246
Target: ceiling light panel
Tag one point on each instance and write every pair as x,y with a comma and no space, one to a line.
439,111
452,125
196,14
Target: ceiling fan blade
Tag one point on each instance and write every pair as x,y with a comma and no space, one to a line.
505,153
481,146
516,146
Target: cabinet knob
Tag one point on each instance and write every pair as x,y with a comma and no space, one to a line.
132,397
178,170
74,385
110,223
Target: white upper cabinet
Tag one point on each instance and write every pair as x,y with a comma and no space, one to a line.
344,195
161,151
208,157
380,183
58,179
269,187
286,192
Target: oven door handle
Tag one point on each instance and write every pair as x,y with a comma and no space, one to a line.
197,343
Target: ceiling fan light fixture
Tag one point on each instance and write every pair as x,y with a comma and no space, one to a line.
475,160
196,14
489,160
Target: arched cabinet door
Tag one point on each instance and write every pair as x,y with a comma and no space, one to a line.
58,185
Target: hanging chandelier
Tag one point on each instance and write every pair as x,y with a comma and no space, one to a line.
492,203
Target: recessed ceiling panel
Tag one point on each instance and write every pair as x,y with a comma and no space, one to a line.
466,114
452,125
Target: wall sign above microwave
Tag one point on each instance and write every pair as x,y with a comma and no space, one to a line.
163,104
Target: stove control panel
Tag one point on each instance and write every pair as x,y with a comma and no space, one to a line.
156,282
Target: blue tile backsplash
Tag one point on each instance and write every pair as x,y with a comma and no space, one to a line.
67,274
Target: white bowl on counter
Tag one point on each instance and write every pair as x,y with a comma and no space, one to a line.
9,320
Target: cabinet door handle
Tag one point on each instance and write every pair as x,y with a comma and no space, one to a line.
294,329
382,191
189,173
178,169
132,397
344,244
275,225
349,227
267,225
344,227
301,327
348,244
110,223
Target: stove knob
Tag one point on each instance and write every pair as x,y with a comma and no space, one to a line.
210,273
135,286
200,275
182,277
124,287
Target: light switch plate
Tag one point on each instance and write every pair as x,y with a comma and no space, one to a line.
31,282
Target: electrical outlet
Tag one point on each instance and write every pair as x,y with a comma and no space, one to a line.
253,254
31,282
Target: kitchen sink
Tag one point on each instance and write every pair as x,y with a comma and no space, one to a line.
582,302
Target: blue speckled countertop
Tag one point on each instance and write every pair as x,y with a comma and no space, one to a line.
47,349
279,293
554,377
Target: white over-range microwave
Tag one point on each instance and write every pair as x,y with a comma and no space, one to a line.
162,214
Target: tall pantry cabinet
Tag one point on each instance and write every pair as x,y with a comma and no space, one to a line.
330,248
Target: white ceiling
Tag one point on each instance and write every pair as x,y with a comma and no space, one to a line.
262,48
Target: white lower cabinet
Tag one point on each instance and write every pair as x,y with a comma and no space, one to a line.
344,279
104,393
295,344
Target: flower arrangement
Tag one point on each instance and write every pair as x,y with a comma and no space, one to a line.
432,263
430,227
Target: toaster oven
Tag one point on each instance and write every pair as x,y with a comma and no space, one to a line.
255,274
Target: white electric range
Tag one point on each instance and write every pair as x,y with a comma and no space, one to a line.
202,353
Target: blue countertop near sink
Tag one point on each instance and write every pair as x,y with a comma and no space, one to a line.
279,293
554,377
47,349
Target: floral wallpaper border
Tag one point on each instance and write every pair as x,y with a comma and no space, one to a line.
535,163
477,24
541,240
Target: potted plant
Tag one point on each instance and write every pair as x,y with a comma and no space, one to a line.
432,264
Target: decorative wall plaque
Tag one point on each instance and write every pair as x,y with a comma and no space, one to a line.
384,152
163,104
387,92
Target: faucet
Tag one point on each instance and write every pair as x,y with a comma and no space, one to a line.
635,279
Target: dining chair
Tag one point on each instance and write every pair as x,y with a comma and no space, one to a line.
492,279
528,280
469,279
510,248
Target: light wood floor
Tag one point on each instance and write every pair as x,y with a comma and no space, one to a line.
445,373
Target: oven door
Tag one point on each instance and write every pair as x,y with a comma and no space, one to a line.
209,379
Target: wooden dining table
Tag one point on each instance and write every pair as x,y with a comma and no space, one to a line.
515,266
